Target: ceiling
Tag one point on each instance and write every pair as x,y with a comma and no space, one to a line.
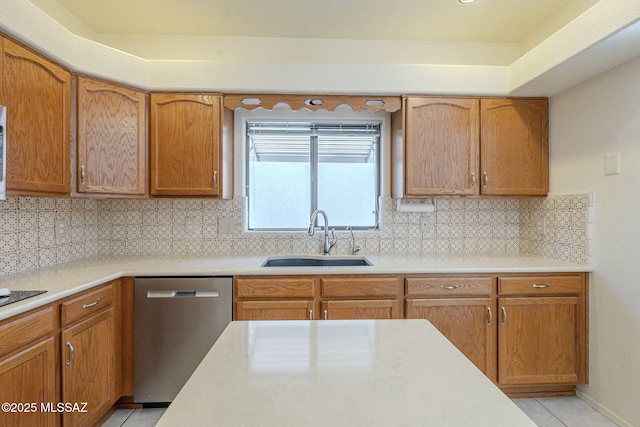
387,47
487,21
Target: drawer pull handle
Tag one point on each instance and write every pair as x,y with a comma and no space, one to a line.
504,316
541,285
310,314
93,304
449,287
490,321
326,315
73,354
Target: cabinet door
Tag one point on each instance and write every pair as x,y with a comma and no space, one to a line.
30,377
515,147
441,146
37,94
88,367
274,310
112,137
363,309
467,322
537,340
185,139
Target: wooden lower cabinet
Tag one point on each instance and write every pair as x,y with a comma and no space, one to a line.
29,377
538,340
468,323
275,310
359,309
299,297
527,332
88,367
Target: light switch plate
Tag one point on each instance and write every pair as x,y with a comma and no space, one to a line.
612,164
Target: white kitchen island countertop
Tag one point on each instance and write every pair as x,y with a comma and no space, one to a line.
339,373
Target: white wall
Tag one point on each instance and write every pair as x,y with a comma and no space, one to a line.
602,115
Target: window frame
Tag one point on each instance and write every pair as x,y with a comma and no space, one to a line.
282,112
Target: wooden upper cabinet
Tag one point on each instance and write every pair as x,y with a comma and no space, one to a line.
515,147
112,138
470,146
37,94
441,146
186,145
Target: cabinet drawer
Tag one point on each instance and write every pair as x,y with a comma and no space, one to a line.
448,286
548,285
16,333
361,287
86,304
289,287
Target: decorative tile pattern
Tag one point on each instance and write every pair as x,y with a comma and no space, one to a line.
565,220
158,227
27,234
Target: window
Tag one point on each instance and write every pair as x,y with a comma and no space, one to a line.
294,168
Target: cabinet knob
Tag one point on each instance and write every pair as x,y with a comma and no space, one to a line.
310,314
326,315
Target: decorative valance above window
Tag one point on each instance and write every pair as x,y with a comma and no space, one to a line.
314,102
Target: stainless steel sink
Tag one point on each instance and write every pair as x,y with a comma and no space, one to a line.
319,261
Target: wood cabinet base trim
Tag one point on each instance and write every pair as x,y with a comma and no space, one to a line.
538,391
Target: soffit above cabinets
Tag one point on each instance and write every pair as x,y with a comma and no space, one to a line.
485,21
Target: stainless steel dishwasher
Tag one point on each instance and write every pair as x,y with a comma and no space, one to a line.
177,320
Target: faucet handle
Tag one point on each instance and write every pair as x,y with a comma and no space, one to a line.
333,240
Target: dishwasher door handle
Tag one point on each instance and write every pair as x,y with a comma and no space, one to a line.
161,293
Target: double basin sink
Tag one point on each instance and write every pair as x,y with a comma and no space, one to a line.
316,261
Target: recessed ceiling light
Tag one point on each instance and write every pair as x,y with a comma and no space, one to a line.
466,1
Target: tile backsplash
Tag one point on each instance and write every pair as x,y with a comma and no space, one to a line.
158,226
27,232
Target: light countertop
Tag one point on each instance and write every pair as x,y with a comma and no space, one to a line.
67,279
339,373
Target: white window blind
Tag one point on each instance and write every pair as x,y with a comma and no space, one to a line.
294,168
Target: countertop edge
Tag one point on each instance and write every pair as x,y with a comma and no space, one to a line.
64,280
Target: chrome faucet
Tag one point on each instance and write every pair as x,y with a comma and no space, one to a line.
354,248
327,243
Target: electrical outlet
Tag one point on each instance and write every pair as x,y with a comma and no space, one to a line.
225,225
190,225
425,225
541,226
61,226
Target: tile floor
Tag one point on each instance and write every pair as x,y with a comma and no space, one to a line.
545,412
